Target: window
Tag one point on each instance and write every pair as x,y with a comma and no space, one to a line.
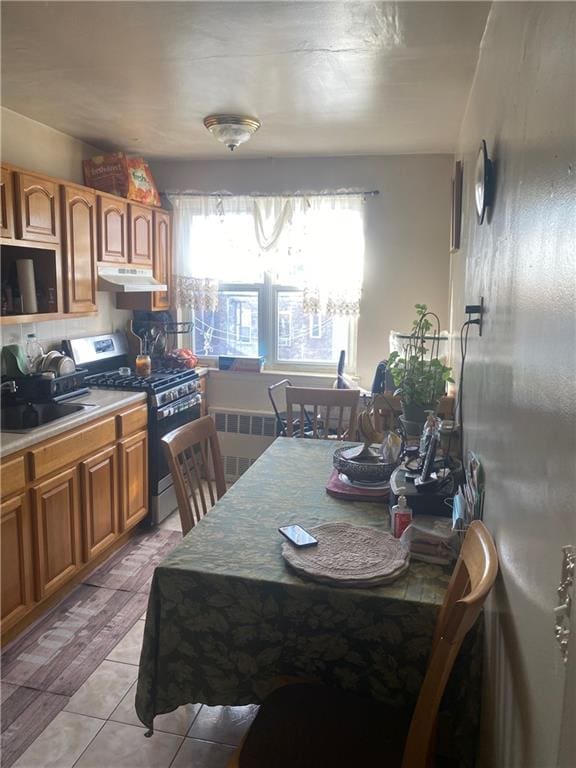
286,274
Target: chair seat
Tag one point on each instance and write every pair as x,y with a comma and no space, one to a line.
313,726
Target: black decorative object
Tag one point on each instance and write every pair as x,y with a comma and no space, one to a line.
483,182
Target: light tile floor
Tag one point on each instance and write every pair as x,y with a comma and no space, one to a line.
99,728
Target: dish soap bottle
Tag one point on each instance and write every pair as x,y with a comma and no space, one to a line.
34,352
400,517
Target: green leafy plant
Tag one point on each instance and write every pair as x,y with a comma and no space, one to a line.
419,375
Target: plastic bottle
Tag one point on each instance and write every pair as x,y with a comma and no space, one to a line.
400,517
33,352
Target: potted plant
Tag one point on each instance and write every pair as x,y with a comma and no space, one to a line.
419,375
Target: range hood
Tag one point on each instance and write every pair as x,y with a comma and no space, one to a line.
128,280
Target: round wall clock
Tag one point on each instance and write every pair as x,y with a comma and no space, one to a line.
483,182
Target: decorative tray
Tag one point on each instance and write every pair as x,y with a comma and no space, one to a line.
349,556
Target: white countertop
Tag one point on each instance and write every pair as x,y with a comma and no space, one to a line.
102,402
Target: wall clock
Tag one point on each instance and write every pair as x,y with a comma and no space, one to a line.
483,182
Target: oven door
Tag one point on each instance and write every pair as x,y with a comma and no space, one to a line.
161,421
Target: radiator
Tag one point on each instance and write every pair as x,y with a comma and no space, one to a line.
243,436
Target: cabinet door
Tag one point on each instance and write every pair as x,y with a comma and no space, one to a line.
16,559
56,525
99,502
162,258
133,480
141,242
112,230
38,208
6,204
79,207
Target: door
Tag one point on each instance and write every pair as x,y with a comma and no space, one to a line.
16,559
112,230
162,258
140,241
38,208
6,203
56,528
133,480
79,241
99,502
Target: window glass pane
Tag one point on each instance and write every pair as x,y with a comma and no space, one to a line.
307,338
226,248
232,329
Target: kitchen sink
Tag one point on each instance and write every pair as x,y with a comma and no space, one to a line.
18,418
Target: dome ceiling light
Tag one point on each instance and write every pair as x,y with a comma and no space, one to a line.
231,130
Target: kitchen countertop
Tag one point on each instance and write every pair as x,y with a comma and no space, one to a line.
103,401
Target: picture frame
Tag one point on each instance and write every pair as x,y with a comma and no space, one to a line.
456,222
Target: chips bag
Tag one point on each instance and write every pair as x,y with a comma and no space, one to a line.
121,175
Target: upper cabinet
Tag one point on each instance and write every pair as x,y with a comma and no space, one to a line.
37,207
140,242
6,203
79,248
162,258
112,229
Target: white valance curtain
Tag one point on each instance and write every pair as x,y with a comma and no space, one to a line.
314,243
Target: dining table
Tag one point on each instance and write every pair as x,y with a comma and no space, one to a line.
227,616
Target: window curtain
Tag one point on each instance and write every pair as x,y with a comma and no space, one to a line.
314,243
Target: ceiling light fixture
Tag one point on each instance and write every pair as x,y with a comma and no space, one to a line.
231,130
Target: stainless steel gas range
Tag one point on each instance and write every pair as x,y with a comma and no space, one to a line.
174,399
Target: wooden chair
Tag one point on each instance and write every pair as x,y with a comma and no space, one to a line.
326,412
195,461
308,725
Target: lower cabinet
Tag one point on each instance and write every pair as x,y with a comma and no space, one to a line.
17,587
99,502
56,531
61,509
133,479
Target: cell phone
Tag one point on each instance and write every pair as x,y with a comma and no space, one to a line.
298,536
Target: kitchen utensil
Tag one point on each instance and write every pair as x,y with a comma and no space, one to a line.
14,361
65,365
46,364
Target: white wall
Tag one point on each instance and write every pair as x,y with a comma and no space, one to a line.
37,147
407,226
520,379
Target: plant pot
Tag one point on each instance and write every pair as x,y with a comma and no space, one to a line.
416,413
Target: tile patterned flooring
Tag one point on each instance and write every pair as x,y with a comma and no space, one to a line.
98,727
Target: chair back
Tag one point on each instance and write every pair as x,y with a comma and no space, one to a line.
195,461
472,580
322,412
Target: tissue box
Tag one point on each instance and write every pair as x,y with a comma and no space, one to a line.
244,364
121,175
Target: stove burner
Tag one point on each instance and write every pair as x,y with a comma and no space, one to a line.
163,385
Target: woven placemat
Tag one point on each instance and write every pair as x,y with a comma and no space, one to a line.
349,556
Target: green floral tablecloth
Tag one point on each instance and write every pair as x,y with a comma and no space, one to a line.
226,615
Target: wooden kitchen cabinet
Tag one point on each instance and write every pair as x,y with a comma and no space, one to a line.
6,203
112,229
133,480
140,240
56,531
99,502
16,538
37,208
162,258
161,269
79,249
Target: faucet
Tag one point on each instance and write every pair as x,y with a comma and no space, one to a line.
9,386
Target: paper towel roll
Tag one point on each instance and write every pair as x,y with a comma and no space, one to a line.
27,283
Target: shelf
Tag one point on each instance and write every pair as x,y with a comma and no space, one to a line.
42,316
